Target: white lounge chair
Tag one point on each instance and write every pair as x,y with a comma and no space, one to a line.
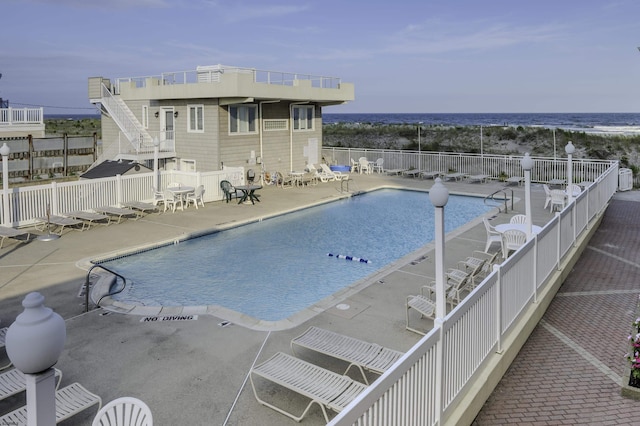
117,212
13,382
141,208
317,174
431,174
455,176
478,178
3,334
515,179
90,218
59,222
413,172
358,353
125,411
336,175
70,401
323,387
6,232
424,305
478,258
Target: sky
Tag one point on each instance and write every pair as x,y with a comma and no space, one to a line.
403,56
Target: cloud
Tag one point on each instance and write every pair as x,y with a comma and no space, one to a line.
257,12
106,4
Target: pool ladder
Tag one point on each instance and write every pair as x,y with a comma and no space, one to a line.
503,191
87,285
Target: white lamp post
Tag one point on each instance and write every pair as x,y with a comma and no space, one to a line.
419,149
34,343
4,151
527,165
156,149
439,195
569,149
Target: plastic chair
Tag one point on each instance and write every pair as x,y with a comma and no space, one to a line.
125,411
557,199
378,165
547,192
519,218
493,236
251,176
512,239
228,189
196,197
169,200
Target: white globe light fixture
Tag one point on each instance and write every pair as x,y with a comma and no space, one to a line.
439,195
527,165
34,343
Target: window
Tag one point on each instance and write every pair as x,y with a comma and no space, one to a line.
303,117
145,116
196,118
242,118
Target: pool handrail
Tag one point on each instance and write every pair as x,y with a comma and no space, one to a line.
87,285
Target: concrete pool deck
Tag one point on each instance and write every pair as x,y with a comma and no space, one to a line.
195,371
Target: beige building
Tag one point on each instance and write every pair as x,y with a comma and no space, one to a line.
215,116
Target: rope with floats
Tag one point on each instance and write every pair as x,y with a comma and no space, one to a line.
351,258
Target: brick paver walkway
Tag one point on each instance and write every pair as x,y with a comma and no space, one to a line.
569,371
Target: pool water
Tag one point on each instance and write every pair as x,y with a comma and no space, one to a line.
274,268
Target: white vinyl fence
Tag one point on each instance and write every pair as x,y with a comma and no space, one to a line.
425,386
27,204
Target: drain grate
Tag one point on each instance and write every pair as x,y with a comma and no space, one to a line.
420,260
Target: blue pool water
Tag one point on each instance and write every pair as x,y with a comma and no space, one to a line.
274,268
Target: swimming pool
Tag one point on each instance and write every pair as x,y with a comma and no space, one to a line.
271,269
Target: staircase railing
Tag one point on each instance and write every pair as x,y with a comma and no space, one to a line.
137,136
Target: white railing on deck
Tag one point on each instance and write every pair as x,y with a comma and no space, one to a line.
496,166
27,204
474,332
212,75
9,116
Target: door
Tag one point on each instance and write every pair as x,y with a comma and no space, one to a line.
167,131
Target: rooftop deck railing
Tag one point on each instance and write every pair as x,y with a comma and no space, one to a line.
9,116
427,385
213,75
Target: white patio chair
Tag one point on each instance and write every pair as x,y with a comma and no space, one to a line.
378,165
519,218
547,192
512,240
125,411
355,167
558,198
365,165
170,201
196,197
493,236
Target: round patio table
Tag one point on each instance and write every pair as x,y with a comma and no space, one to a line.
248,193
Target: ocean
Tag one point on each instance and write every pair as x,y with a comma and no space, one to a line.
604,123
